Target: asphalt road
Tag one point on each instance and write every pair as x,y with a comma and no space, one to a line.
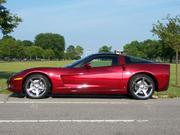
89,116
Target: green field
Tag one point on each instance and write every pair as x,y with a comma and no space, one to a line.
8,68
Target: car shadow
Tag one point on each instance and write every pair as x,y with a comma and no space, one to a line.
16,95
93,96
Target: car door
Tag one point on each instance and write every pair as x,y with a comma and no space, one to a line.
103,76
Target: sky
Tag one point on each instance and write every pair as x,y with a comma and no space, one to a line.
91,23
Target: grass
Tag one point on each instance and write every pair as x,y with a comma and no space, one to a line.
173,91
8,68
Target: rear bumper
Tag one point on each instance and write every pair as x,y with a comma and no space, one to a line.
163,79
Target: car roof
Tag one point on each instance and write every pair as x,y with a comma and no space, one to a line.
105,53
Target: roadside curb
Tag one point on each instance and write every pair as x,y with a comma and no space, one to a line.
4,97
155,97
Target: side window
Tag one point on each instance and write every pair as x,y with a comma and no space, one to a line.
131,60
134,60
104,61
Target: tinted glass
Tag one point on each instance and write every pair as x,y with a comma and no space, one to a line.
134,60
104,61
97,61
78,62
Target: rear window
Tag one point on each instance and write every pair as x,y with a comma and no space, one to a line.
135,60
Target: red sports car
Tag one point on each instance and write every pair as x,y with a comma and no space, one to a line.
104,73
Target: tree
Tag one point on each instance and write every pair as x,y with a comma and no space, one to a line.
48,53
169,32
51,41
34,52
105,48
8,37
134,49
27,43
8,21
166,52
79,51
74,52
149,49
10,48
71,52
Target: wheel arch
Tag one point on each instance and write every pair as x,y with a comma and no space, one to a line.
44,74
146,73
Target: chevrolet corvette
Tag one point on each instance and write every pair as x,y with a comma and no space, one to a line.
102,73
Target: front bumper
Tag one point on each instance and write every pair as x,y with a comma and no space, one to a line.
14,84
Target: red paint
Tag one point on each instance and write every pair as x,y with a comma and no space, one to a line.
100,80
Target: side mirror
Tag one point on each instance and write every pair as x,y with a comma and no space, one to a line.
87,65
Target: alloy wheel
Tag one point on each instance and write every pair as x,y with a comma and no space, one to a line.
36,87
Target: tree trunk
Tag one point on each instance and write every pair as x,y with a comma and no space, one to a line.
170,59
177,81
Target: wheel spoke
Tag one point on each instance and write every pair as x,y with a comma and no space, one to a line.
149,86
30,89
40,81
31,81
137,92
138,82
41,89
37,92
145,93
143,80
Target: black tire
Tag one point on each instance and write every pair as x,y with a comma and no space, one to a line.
31,84
141,86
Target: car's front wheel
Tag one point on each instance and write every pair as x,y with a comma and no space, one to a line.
141,86
36,86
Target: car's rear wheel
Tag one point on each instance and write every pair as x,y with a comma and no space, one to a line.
141,86
36,86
